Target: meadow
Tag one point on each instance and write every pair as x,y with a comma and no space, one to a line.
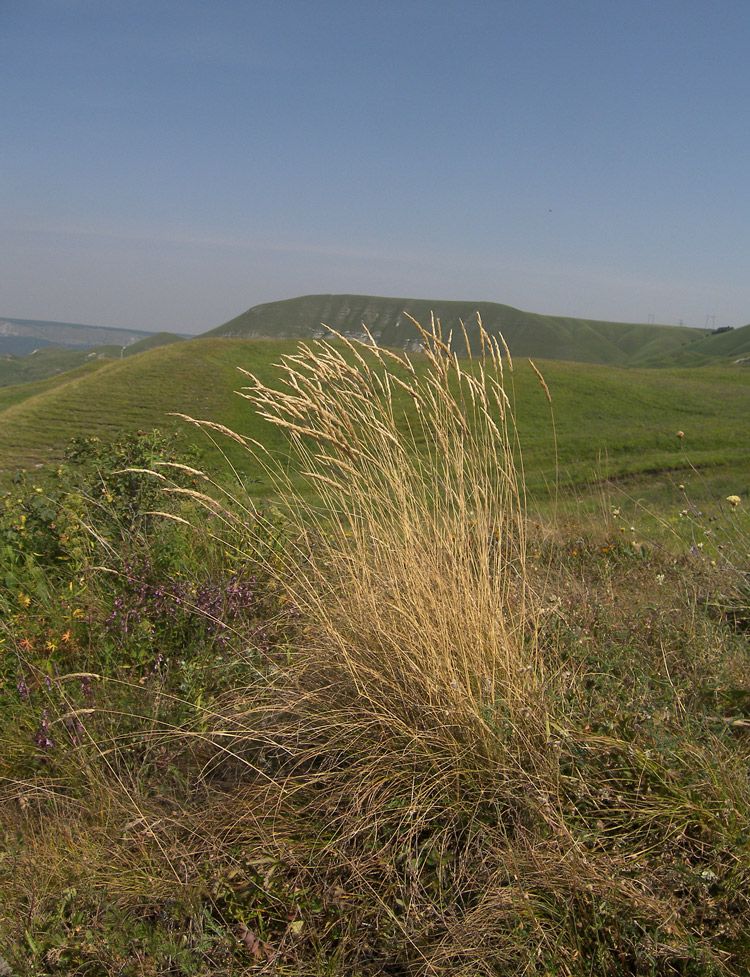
611,423
440,669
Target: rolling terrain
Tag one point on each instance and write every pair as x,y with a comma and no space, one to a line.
527,334
610,422
532,722
21,336
49,360
620,392
58,347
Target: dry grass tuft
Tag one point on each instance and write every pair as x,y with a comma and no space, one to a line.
444,793
409,571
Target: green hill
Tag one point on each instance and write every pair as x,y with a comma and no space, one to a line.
610,421
22,336
106,397
152,341
732,346
48,361
527,334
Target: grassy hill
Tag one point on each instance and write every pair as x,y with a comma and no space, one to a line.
107,397
397,727
527,334
730,347
610,422
48,361
153,341
21,336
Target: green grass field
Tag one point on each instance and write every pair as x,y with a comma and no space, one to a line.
610,423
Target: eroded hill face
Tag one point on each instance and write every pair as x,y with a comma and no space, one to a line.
20,337
48,349
390,323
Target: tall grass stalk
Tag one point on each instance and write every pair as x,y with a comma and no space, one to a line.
408,717
410,567
415,727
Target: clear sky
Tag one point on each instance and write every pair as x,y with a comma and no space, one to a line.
166,164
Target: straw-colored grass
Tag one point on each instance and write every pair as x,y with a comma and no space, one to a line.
408,719
450,808
410,566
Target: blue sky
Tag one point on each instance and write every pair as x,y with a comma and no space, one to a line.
166,164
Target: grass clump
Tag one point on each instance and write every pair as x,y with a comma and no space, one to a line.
459,781
409,565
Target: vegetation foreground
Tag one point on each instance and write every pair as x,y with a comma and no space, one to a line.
393,726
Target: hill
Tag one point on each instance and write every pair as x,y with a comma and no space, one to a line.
53,348
106,397
610,422
20,336
401,728
527,333
732,346
48,361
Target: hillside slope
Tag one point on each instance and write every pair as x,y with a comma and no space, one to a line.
49,361
104,397
619,421
730,347
527,334
21,336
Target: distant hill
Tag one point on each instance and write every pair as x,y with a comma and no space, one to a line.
527,333
152,341
732,346
49,361
20,336
53,348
